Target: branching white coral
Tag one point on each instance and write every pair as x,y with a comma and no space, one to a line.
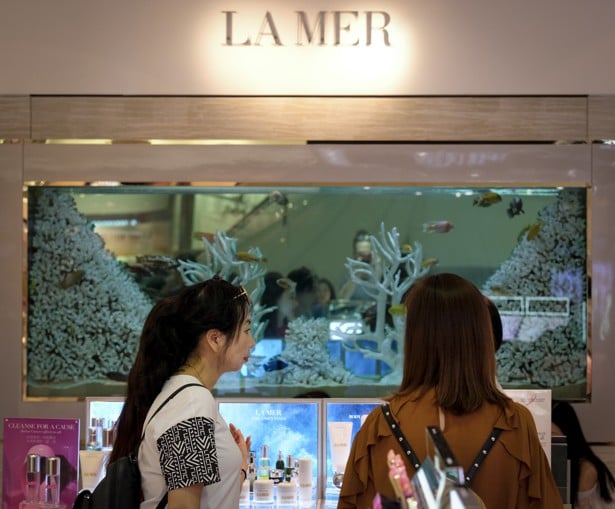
383,281
243,268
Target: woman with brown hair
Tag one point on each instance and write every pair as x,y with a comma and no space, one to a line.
449,381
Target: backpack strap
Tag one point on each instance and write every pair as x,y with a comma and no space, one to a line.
403,442
163,501
169,398
386,410
480,457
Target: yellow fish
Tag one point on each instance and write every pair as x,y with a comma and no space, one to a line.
397,310
523,232
533,231
245,256
406,249
204,235
487,199
429,262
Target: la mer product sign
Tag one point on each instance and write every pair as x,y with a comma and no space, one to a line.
323,28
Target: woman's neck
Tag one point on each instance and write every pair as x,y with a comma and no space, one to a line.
200,372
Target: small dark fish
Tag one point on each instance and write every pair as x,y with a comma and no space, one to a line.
487,199
71,279
274,364
278,197
515,207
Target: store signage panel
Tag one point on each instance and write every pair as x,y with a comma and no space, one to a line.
294,47
349,28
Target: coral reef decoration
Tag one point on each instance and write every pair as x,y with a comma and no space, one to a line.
541,287
85,311
246,268
306,357
394,268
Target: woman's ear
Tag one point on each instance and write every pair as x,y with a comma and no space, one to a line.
215,339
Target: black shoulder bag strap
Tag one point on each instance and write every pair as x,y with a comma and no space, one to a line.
163,501
403,442
386,410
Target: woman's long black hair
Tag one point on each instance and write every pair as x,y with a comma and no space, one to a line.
565,418
171,333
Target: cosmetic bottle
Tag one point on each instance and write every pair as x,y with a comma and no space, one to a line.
305,479
50,490
263,464
289,470
278,474
92,443
251,473
33,481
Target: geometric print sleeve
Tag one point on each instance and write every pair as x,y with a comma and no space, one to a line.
188,453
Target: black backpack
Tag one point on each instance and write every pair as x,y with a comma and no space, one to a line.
121,486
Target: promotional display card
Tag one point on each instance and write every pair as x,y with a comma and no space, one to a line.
40,463
538,401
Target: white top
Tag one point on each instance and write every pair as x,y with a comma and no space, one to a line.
186,443
590,499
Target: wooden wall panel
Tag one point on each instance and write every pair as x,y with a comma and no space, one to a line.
312,118
601,117
14,117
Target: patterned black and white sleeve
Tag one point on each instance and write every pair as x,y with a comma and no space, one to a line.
188,453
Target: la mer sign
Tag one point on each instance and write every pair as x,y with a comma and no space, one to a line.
348,28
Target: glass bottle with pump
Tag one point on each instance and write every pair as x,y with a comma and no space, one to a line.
263,463
278,473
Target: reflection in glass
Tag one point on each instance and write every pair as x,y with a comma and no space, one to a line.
99,257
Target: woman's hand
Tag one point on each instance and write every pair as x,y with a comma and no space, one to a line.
244,444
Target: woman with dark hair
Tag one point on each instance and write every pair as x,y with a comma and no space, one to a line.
449,381
279,294
187,448
591,482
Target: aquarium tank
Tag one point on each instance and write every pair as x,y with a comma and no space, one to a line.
327,269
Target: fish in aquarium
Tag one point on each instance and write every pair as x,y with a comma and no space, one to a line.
443,226
487,199
429,262
515,207
530,231
245,256
72,278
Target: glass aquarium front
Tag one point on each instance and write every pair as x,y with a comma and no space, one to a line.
327,269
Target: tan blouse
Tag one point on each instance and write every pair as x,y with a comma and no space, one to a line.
515,474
